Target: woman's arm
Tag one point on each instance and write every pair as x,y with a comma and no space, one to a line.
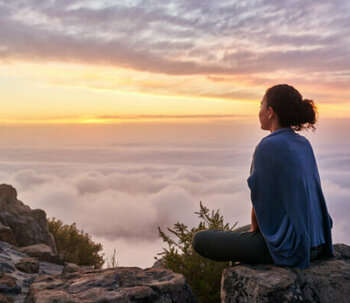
254,224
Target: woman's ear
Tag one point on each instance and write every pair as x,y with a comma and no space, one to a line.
271,112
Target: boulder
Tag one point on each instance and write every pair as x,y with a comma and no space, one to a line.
14,283
160,263
4,299
7,235
43,252
121,284
28,226
324,281
71,267
8,284
28,265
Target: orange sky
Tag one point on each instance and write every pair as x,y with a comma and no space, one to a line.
69,93
92,62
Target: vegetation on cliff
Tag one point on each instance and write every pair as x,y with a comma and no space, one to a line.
203,275
76,245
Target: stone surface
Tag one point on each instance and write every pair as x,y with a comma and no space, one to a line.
28,265
43,252
16,283
7,235
5,299
8,284
71,267
160,263
324,281
75,284
28,226
121,284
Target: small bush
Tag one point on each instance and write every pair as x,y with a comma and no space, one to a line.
76,246
203,275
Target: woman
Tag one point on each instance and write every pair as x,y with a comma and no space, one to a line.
290,224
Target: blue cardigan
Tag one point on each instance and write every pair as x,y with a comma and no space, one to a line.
288,200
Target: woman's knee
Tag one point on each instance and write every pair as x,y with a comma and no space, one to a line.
198,240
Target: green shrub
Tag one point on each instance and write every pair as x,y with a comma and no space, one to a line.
76,246
203,275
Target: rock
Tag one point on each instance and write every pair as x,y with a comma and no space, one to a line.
4,299
43,252
18,282
28,226
160,263
121,284
8,284
28,265
324,281
71,267
7,235
342,251
8,257
46,268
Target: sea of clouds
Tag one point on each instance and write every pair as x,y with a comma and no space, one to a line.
121,192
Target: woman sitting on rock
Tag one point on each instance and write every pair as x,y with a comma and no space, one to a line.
290,224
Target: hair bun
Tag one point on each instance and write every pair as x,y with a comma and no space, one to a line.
308,112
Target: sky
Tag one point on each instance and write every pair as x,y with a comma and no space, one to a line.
107,61
122,115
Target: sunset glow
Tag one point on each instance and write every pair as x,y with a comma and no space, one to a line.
72,63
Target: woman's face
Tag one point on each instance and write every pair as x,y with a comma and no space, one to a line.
264,115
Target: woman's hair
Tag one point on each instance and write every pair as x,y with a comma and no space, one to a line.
291,108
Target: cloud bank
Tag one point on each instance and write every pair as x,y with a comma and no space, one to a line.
120,193
133,190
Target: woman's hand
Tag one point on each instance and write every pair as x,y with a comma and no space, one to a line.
254,222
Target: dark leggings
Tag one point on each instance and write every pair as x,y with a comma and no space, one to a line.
240,245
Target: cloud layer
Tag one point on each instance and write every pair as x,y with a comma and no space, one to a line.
121,193
181,37
133,190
